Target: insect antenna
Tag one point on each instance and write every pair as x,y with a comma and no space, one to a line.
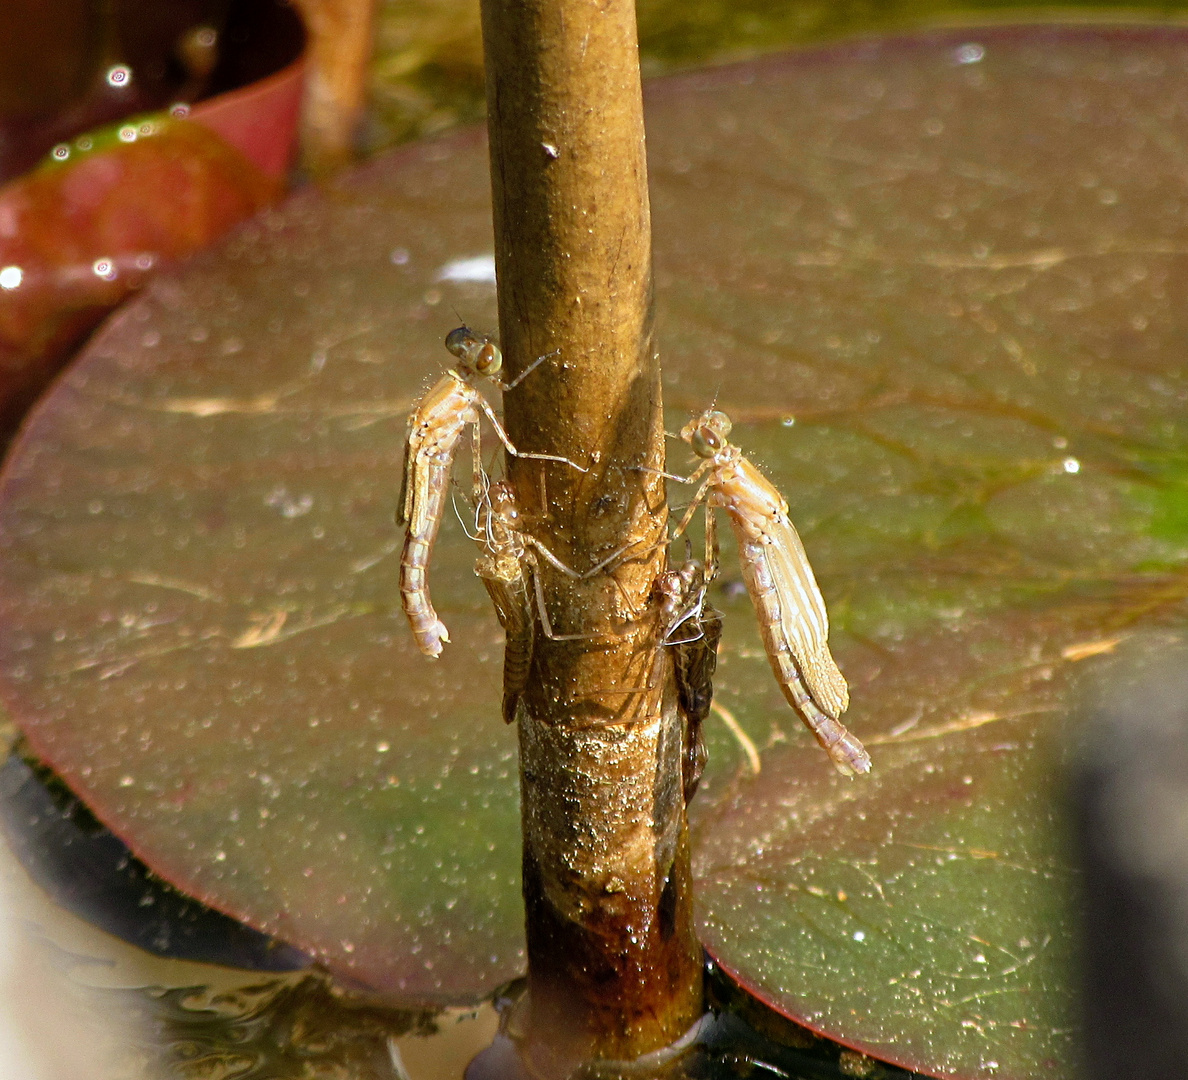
462,521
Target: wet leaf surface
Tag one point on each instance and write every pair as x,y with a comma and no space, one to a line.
935,283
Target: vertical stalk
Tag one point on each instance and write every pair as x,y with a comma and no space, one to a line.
614,965
338,52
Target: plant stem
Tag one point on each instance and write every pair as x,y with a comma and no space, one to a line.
614,964
338,52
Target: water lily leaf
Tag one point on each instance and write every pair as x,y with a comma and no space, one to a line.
88,225
935,291
975,401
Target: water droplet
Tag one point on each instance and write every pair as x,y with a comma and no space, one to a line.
104,268
969,53
119,75
11,277
127,134
61,152
383,746
127,781
859,935
1071,465
399,256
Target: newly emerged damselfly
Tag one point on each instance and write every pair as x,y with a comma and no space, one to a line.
435,428
780,582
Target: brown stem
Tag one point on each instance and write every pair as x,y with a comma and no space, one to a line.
614,965
338,52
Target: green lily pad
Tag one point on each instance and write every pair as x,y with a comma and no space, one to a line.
933,280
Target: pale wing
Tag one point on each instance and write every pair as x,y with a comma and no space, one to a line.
429,484
804,621
402,510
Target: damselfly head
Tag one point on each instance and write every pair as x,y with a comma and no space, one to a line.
503,502
708,433
461,341
477,352
667,590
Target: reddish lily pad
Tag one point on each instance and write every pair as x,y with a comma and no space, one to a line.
935,292
85,228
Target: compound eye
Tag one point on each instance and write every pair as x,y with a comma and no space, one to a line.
707,433
705,442
459,341
489,360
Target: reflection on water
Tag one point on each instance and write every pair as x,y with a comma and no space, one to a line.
739,1039
78,1004
271,1029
